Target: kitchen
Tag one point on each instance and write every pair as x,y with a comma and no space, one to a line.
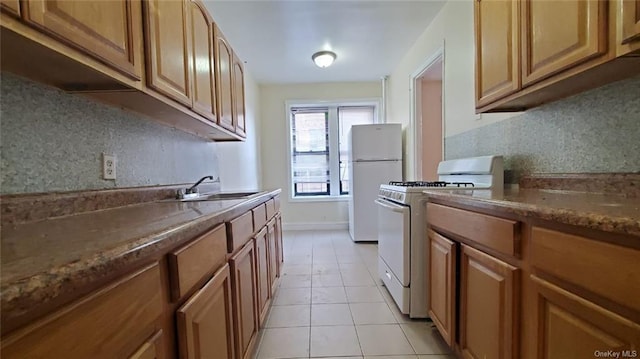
53,141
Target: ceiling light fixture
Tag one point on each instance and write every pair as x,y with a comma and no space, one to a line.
323,58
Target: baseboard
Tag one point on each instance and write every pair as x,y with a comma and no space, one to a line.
315,226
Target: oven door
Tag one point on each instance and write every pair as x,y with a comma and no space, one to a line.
394,238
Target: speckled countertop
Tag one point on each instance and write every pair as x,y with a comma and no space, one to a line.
46,259
599,211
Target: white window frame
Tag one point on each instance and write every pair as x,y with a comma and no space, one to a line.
334,156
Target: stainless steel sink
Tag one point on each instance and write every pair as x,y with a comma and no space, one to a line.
221,196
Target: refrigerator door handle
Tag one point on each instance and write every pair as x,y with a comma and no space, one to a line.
390,206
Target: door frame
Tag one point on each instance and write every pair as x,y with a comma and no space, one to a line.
415,116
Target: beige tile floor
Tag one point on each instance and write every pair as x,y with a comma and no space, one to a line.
331,304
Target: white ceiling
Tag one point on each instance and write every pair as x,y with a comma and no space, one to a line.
277,38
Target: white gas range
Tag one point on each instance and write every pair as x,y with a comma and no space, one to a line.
402,240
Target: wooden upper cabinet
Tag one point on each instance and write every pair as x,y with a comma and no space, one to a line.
11,6
168,48
224,78
202,61
238,96
558,35
107,30
489,297
628,26
205,322
497,49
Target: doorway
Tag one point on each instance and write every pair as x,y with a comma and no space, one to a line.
428,96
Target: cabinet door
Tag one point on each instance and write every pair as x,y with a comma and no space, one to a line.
262,261
569,326
205,322
273,256
489,296
245,298
238,96
558,35
442,285
202,61
497,49
279,243
11,6
628,26
168,48
224,78
107,30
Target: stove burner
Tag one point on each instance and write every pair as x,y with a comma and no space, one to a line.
431,184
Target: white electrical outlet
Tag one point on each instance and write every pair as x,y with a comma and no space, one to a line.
109,166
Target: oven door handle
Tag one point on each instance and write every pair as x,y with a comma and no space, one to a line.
390,206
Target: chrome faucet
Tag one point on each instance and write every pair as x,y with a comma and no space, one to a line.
192,191
194,188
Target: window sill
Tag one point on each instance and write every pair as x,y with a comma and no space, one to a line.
319,199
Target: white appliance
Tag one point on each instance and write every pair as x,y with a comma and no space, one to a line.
402,240
375,157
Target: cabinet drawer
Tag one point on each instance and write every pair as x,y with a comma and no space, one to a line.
495,233
240,230
189,264
603,268
271,208
111,323
259,216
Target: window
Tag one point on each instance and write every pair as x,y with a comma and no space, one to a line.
320,149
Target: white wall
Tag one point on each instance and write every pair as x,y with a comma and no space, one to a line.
274,153
239,162
452,29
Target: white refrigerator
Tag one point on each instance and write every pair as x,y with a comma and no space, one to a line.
375,157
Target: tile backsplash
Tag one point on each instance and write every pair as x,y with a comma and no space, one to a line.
53,141
593,132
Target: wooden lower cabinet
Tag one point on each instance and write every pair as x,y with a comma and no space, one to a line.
205,321
151,349
489,297
274,267
442,285
568,326
279,242
245,299
112,323
263,275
